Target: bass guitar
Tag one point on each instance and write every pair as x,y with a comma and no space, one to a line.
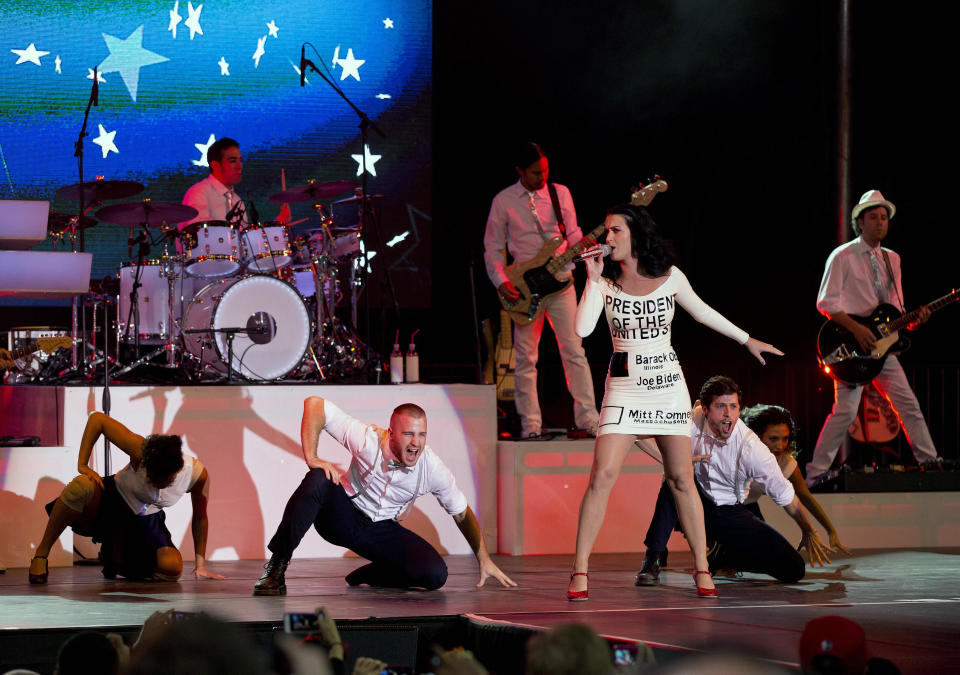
842,357
536,279
47,345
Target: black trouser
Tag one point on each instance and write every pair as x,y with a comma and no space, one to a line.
746,542
399,558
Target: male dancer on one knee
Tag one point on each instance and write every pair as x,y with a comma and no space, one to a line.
125,511
360,508
728,456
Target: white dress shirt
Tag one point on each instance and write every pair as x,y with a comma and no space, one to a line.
210,198
512,227
144,499
848,280
379,486
742,457
787,465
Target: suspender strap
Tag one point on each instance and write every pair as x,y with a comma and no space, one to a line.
556,208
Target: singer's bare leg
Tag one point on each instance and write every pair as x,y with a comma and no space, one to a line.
609,452
678,470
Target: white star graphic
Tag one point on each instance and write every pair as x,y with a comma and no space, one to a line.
272,29
224,66
56,64
175,19
100,78
388,22
127,57
384,96
203,147
105,141
350,66
30,54
260,51
366,159
193,20
336,56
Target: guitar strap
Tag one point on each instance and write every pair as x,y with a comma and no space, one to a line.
556,208
893,281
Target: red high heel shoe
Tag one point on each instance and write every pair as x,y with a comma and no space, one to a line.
704,592
578,596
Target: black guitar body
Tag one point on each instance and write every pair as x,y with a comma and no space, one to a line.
839,350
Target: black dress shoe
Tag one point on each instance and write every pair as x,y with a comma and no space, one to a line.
272,582
649,574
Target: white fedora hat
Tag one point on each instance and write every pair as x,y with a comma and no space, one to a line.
870,199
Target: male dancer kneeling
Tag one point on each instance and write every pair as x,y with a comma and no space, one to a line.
728,456
125,511
360,509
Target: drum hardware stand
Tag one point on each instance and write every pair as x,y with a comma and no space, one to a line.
366,217
231,333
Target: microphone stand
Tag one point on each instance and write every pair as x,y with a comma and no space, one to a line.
231,333
366,217
78,153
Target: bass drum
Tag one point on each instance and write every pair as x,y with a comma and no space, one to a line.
239,303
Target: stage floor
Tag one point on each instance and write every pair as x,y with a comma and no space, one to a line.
907,601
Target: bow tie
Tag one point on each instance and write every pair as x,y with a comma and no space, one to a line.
394,464
709,440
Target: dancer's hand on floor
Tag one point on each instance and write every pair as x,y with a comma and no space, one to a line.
816,550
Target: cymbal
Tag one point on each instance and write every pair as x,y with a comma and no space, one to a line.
193,228
60,222
312,192
147,212
100,190
356,198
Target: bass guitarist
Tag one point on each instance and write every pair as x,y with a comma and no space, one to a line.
523,218
859,276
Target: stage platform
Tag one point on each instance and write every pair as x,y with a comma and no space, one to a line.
906,601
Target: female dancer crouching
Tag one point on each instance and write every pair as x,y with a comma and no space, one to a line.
646,395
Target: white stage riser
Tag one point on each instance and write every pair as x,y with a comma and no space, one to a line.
248,437
541,484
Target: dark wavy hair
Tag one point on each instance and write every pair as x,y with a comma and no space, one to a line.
718,385
763,415
162,456
653,251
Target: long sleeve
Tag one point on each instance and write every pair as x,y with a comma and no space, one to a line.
588,311
705,314
495,243
830,297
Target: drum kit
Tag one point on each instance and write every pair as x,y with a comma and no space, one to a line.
228,299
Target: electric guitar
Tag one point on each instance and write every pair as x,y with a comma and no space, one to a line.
47,345
501,358
536,279
842,357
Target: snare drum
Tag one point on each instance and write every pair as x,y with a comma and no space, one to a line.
233,303
213,251
266,247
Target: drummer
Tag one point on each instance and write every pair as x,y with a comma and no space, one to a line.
214,197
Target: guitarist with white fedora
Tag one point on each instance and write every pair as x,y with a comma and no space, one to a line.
524,219
860,276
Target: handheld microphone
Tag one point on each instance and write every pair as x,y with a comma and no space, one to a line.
96,89
303,64
601,252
